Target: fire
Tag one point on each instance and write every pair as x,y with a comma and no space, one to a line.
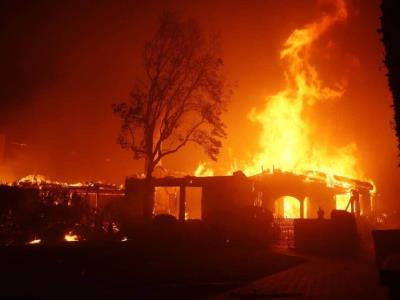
35,241
202,170
34,179
71,237
291,207
287,140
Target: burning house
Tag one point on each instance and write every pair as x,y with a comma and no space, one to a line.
288,141
221,195
238,206
287,108
293,170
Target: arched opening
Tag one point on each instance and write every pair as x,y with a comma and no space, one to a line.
342,200
288,207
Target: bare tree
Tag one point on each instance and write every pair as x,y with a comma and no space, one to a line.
180,98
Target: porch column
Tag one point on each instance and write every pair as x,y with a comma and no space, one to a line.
182,202
352,205
357,208
302,209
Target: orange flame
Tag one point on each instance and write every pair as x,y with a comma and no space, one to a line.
35,241
202,170
285,140
71,237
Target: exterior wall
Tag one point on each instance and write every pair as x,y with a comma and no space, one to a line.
227,196
366,202
224,197
135,197
337,235
326,202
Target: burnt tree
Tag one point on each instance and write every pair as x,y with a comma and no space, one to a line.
390,26
178,100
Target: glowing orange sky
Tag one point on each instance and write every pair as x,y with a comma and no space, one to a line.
91,55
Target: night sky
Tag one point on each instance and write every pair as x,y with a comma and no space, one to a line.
64,64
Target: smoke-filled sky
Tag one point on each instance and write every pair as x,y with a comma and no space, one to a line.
64,64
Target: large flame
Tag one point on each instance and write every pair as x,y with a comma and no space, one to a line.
287,140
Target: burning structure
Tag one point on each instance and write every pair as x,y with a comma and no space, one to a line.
240,207
293,169
35,209
289,138
288,142
232,193
40,209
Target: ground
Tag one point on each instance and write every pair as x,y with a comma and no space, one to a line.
134,270
183,271
318,278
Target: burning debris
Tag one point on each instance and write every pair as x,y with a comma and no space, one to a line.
37,210
35,241
71,237
36,179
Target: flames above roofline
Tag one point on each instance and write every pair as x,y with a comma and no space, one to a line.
339,184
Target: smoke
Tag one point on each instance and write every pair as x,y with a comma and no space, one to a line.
60,74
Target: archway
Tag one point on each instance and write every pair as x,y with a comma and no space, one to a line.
289,207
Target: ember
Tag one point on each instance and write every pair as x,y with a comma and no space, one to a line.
35,241
71,237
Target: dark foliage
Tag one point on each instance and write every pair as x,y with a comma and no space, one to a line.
390,22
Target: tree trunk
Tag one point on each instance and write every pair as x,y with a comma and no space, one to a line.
148,206
149,199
